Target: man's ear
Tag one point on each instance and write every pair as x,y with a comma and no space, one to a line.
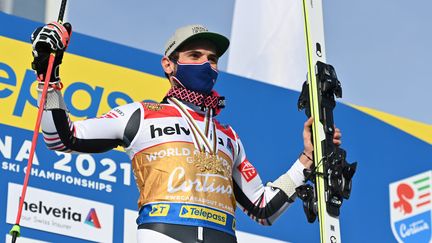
167,65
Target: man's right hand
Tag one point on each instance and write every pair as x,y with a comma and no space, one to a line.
52,37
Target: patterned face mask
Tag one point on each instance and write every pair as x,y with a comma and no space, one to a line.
199,77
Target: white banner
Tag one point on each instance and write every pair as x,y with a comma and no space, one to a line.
267,42
61,214
23,240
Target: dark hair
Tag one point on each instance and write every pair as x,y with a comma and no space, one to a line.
174,56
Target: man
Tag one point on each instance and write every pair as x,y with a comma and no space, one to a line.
192,183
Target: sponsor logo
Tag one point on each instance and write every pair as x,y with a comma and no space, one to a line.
196,212
170,46
40,208
118,111
159,210
203,183
92,219
410,208
198,29
61,214
247,170
177,129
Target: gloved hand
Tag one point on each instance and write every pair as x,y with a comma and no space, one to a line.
52,37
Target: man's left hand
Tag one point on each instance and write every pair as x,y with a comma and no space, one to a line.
307,155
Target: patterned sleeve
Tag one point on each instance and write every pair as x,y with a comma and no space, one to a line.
118,127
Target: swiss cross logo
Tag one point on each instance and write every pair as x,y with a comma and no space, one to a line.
248,171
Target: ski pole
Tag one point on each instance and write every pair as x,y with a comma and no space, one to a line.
15,231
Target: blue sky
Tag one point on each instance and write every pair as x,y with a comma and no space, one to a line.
381,51
380,48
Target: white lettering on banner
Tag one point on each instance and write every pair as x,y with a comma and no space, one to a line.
72,180
58,177
167,153
23,153
11,167
413,228
177,178
62,214
86,165
6,147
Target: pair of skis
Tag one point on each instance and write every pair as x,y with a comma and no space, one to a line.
331,174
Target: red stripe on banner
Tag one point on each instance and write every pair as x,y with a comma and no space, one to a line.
424,195
423,203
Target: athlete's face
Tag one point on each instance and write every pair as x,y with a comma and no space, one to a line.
199,51
196,51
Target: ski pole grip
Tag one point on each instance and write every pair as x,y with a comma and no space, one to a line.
62,11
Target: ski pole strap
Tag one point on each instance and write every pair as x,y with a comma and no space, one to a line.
198,99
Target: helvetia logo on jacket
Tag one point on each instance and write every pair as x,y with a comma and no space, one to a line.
410,208
92,219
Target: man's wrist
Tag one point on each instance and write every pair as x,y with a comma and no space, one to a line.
306,158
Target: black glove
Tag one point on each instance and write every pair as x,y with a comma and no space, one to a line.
52,37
